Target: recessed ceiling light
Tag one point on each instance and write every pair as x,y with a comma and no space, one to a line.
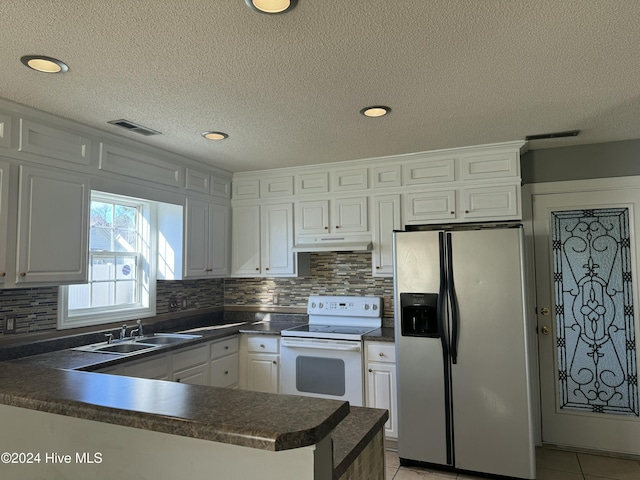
271,6
375,111
215,135
44,64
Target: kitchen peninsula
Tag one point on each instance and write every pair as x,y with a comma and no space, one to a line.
139,428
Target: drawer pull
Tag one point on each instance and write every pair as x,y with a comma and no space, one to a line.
275,363
381,354
23,274
226,347
370,371
262,345
2,274
226,372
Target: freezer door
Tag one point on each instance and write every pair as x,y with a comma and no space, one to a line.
490,382
422,432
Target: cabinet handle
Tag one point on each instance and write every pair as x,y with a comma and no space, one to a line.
452,213
2,274
208,270
262,345
377,268
178,380
370,371
257,268
466,211
267,268
326,228
23,274
275,363
226,347
226,372
381,354
337,226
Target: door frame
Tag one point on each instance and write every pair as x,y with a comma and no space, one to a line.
528,191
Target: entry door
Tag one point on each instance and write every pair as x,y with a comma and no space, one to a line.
586,250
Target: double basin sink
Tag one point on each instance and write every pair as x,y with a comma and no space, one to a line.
131,346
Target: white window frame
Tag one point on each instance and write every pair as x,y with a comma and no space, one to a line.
147,273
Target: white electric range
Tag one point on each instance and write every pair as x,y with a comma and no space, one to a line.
324,358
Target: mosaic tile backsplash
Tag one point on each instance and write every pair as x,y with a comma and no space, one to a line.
343,273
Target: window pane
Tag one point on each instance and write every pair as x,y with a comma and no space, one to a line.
126,268
102,268
101,214
102,294
79,296
125,240
125,217
125,293
100,239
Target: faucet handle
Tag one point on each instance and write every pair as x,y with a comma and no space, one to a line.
109,337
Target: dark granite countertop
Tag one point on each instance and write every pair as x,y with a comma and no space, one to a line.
383,334
353,434
251,419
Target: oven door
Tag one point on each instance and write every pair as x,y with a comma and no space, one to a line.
322,368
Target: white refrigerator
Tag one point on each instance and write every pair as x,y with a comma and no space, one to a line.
464,386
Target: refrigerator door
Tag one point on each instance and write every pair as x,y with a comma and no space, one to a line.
420,366
493,426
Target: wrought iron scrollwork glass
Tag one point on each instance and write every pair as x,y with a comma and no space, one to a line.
594,311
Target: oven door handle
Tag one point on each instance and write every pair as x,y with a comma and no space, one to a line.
342,348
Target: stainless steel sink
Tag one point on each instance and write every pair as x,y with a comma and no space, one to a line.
166,338
131,346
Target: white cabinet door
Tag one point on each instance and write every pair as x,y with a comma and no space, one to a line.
262,372
156,367
218,240
52,227
246,241
196,239
197,375
4,213
312,217
381,382
500,202
350,215
224,371
386,219
277,240
426,207
381,393
207,240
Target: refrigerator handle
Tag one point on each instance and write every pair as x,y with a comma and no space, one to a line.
455,313
442,298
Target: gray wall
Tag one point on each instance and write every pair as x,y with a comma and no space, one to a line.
598,160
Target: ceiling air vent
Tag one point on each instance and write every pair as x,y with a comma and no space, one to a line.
542,136
133,127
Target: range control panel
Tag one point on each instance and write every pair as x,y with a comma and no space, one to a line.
338,306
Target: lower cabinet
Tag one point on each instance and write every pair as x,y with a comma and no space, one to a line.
381,385
214,363
259,363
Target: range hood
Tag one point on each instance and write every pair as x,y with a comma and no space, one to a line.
334,243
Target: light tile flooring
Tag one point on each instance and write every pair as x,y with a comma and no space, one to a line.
551,464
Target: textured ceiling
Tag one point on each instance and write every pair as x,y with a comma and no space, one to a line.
288,88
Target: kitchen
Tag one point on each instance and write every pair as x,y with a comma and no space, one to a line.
36,309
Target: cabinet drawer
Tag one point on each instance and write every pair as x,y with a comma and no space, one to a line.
381,352
224,371
263,344
189,358
224,348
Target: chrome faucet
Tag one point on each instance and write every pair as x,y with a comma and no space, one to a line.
123,332
140,332
109,337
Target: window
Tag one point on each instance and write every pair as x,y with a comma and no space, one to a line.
122,267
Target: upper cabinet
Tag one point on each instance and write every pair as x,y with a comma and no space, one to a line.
262,238
4,214
48,142
386,219
206,239
52,246
342,215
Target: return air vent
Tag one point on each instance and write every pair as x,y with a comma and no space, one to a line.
133,127
543,136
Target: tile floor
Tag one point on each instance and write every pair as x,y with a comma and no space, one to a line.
551,464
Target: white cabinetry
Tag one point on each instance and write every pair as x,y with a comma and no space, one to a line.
381,384
207,239
4,214
214,363
342,215
262,237
259,363
386,219
224,363
52,242
191,365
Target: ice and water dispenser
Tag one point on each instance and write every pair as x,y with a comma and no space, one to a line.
419,314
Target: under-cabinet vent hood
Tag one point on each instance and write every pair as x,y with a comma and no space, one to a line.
334,243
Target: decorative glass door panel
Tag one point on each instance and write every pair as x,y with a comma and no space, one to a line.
593,290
